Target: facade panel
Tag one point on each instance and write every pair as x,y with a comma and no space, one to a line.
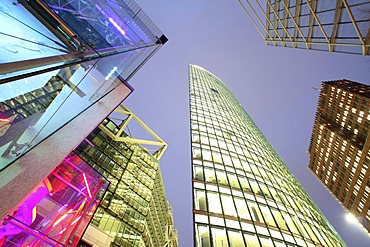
243,193
339,148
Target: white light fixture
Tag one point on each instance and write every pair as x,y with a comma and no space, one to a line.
351,218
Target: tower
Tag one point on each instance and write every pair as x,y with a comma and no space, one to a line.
339,148
243,193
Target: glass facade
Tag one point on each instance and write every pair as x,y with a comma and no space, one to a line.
134,211
61,57
58,210
334,26
339,148
243,193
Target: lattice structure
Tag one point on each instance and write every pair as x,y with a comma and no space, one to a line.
334,26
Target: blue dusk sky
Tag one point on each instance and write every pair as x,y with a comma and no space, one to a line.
273,84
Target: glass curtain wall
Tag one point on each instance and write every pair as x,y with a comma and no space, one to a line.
134,211
243,193
59,58
57,211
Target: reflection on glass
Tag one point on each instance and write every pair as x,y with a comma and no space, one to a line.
200,200
198,173
214,202
255,212
279,219
267,215
236,238
251,240
210,175
58,209
228,205
221,177
202,236
219,238
33,108
241,206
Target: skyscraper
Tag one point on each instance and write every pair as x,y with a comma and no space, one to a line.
243,193
339,148
334,26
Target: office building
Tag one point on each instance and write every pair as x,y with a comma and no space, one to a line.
134,210
109,185
64,66
244,195
339,148
334,26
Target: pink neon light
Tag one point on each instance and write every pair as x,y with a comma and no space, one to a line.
87,185
62,218
4,120
62,231
74,222
116,25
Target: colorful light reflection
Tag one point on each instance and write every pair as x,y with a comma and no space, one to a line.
87,185
4,120
117,26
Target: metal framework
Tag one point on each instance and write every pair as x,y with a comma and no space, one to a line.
121,137
334,26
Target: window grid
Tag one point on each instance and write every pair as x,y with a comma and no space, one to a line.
243,192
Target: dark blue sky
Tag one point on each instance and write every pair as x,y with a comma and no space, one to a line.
273,84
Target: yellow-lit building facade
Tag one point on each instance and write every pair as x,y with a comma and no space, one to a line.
134,210
339,148
243,193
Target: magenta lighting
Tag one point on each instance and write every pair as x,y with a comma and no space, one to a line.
117,26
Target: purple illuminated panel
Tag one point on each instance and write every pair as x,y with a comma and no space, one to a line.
117,26
58,210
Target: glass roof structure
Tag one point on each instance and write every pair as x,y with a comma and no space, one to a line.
334,26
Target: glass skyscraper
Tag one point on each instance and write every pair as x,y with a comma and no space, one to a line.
243,193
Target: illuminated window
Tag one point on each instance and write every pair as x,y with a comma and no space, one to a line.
219,238
228,205
200,200
236,238
251,239
202,236
255,212
214,202
221,177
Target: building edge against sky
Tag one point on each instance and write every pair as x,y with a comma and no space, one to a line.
340,144
334,26
61,74
243,193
